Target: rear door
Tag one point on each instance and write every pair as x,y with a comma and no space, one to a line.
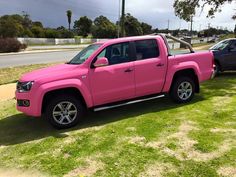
150,67
114,82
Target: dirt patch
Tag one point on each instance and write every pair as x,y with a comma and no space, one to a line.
227,171
231,123
69,140
131,129
158,170
137,140
221,100
7,92
20,173
89,169
75,132
221,130
185,149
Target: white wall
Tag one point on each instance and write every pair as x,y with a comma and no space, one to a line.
47,41
56,41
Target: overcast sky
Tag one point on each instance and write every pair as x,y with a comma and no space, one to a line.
155,12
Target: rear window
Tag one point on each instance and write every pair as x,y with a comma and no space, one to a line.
146,49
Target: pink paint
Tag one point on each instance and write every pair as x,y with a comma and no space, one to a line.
110,83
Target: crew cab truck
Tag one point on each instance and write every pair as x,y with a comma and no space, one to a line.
112,73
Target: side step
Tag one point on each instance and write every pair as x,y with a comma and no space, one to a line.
128,103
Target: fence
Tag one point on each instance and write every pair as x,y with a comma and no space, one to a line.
47,41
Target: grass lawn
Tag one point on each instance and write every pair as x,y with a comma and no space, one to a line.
203,46
154,138
12,74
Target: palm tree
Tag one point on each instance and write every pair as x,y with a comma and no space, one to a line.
69,14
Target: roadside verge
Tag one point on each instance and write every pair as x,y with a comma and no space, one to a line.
7,91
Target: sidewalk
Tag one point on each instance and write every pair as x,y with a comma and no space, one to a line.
7,91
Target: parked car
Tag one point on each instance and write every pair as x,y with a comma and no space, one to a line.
225,55
110,74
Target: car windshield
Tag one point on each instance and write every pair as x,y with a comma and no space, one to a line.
82,56
220,46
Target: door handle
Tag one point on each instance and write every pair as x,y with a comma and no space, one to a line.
160,65
128,70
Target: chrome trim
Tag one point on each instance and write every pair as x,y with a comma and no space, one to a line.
128,103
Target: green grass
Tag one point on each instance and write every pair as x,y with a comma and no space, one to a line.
131,140
12,74
227,36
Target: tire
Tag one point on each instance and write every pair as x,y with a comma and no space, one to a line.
182,90
64,111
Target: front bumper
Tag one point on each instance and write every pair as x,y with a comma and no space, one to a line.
213,75
32,109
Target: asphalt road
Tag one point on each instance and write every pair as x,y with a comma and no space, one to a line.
36,58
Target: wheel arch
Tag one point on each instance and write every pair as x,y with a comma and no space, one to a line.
190,72
62,91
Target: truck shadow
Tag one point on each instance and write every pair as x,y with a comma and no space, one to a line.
19,128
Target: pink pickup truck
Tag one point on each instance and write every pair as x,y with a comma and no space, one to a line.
110,74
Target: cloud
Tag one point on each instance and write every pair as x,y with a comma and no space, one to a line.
155,12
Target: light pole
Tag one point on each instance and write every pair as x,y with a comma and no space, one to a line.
191,30
118,23
123,19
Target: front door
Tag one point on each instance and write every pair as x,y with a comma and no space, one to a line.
114,82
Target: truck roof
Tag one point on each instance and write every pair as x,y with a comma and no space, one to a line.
122,39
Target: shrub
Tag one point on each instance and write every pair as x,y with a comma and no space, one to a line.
66,34
51,33
10,45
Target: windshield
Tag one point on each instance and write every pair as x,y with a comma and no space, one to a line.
220,46
82,56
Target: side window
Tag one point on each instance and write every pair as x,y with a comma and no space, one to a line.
116,54
146,49
102,54
233,46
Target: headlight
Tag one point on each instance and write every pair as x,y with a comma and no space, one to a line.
24,86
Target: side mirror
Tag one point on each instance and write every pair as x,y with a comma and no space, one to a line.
101,62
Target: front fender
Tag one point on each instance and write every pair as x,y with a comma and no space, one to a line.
56,85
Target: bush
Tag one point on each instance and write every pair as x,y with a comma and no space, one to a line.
11,45
51,33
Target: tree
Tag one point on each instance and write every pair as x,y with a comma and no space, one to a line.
37,23
103,28
9,27
51,33
147,29
185,9
69,15
175,32
27,22
27,33
235,31
132,26
83,26
64,33
38,32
